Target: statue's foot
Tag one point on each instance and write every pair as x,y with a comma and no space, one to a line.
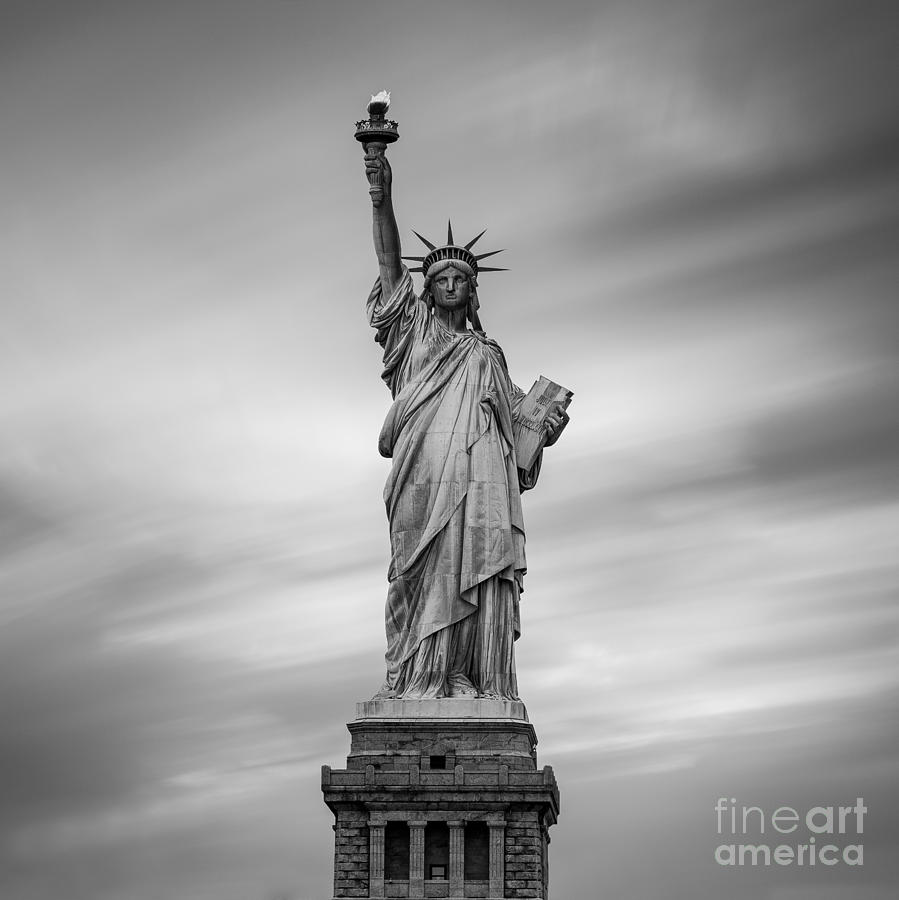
490,695
460,686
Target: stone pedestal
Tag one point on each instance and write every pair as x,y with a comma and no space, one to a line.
441,798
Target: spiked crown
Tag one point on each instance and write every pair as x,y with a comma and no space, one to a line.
452,252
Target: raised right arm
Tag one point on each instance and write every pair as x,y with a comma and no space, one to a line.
384,229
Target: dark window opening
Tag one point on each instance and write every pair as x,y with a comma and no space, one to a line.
396,851
437,847
477,851
438,762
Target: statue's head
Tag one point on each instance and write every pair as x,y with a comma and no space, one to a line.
446,290
452,285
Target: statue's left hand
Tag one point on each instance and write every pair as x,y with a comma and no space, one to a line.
554,423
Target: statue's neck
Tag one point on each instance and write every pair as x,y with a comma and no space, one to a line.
453,319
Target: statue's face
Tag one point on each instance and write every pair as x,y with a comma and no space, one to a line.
450,289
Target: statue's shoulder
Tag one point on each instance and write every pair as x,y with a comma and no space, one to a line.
493,346
490,342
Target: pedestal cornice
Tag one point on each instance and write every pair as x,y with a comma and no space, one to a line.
465,708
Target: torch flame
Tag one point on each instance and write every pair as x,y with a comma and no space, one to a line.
382,97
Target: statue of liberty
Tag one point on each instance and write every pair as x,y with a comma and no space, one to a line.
453,496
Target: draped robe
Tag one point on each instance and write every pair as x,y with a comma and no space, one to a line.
453,500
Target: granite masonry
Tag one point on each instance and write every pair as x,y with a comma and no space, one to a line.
441,798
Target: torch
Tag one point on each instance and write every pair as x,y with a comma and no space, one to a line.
376,132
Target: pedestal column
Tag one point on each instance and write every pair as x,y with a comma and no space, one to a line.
456,858
497,859
417,859
376,859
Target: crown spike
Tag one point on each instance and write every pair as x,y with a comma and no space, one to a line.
424,240
475,239
451,252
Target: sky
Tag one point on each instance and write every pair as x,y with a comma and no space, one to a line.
700,208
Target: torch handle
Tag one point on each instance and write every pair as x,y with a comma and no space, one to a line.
375,182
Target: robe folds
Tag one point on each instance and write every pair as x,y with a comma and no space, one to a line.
453,501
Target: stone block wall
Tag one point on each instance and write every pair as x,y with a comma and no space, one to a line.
525,854
397,748
351,854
